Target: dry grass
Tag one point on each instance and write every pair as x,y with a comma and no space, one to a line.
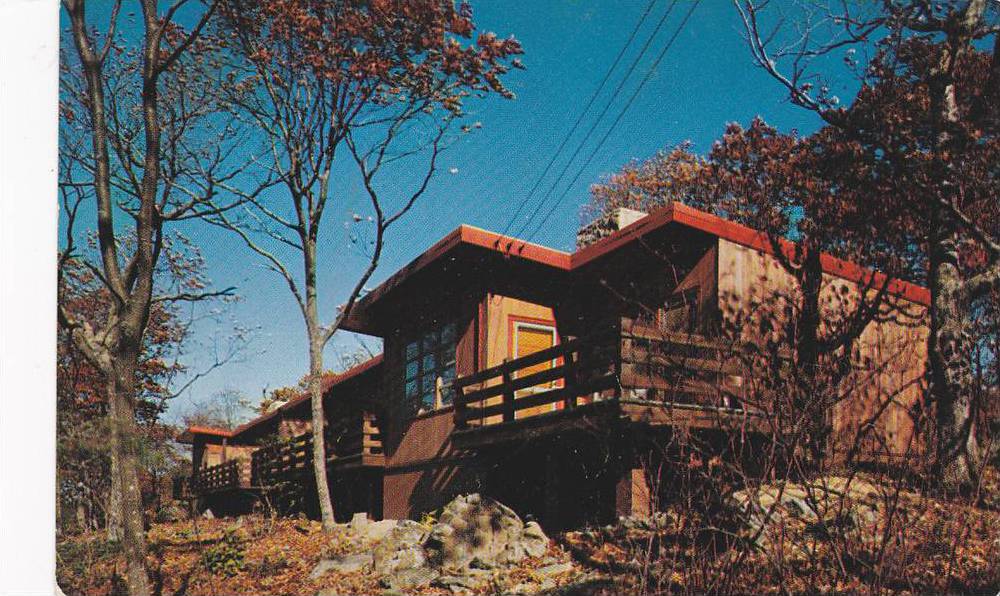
278,556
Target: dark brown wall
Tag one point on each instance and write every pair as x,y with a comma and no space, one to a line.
425,471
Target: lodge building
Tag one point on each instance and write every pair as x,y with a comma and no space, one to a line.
533,375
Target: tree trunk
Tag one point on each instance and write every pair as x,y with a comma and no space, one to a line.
124,444
114,508
949,347
957,457
814,404
319,437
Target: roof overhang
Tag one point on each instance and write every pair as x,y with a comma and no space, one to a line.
680,215
187,437
301,401
465,260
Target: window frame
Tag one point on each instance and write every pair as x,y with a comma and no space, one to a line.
430,345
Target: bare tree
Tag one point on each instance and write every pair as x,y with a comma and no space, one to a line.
138,144
324,78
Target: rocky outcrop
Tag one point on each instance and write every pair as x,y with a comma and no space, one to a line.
472,536
810,510
479,532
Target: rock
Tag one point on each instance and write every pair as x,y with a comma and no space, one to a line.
345,564
377,530
400,548
409,578
536,543
466,582
170,513
476,531
553,570
811,510
459,585
359,521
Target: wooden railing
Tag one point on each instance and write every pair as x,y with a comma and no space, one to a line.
289,459
283,461
581,370
364,439
225,476
681,368
636,361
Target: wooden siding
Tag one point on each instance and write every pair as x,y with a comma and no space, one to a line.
890,355
425,470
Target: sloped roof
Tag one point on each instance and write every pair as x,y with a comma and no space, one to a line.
674,213
329,381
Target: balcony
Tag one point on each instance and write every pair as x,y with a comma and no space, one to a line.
645,373
231,475
357,443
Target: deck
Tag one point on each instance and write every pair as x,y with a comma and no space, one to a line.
636,372
633,373
358,444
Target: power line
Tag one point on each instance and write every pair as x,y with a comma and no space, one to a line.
597,121
621,114
590,102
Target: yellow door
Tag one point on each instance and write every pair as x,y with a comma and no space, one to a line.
528,340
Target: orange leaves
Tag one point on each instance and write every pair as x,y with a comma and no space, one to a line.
413,46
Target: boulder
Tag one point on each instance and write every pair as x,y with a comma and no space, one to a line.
536,543
474,531
358,522
376,530
409,578
463,584
400,548
344,564
554,569
808,511
172,512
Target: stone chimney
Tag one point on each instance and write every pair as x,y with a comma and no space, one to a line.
607,224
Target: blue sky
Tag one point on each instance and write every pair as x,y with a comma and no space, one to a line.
704,81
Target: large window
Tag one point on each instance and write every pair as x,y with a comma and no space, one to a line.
430,357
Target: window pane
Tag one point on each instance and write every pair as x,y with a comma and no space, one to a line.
448,374
430,341
412,388
447,396
412,368
448,333
412,349
427,383
428,362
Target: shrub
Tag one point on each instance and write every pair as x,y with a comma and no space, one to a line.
225,557
76,558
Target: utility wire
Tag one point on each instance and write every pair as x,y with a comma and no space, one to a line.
649,74
604,111
593,97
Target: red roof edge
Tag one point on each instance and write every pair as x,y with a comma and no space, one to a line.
745,236
466,234
329,381
188,435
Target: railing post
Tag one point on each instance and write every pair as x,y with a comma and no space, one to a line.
569,378
460,422
508,393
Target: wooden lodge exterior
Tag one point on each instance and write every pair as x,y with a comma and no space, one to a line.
530,374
